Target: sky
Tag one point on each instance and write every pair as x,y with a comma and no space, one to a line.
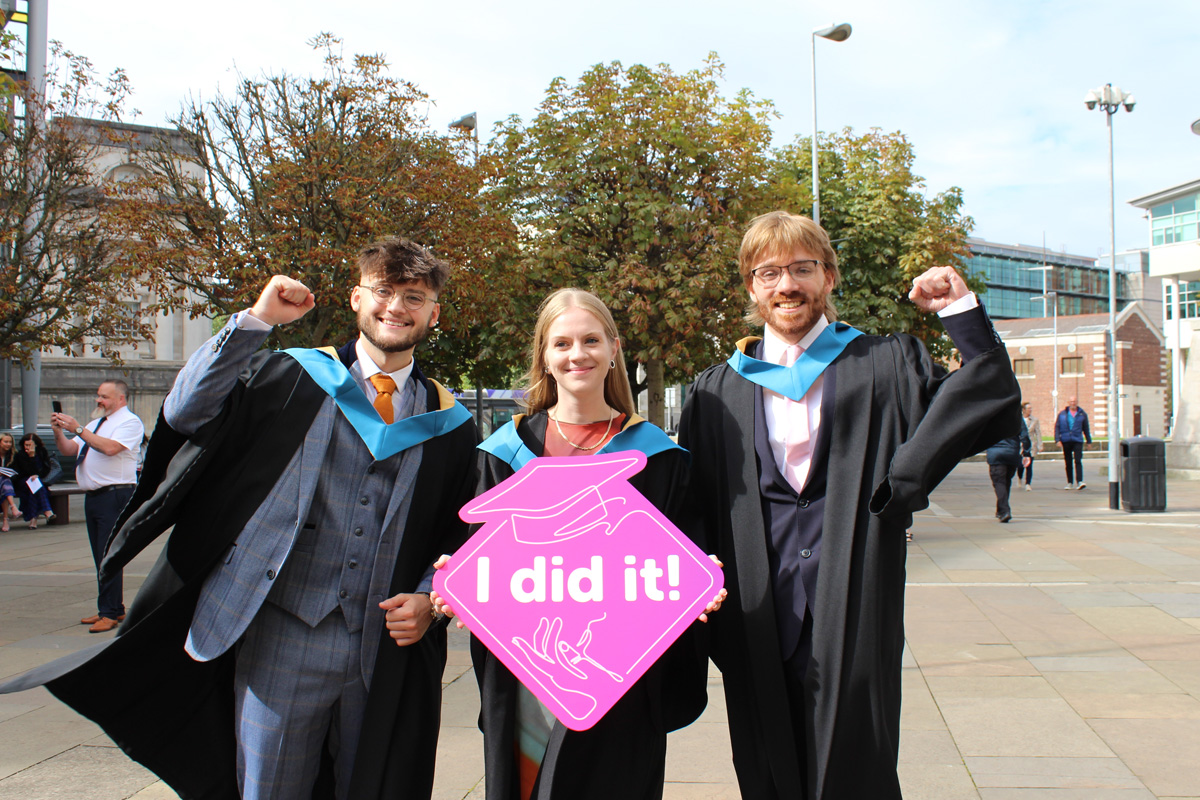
990,94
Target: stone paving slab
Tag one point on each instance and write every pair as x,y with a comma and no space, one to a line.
1053,658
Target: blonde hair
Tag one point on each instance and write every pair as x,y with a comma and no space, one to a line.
541,390
778,235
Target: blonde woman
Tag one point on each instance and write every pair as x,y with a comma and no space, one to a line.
580,404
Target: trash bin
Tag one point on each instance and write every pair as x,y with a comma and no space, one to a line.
1143,474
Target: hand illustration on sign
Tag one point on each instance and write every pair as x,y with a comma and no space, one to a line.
559,662
576,581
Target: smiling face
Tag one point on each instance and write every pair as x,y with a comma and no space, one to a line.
578,353
790,307
6,444
391,327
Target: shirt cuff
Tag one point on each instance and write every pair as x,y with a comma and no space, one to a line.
964,303
246,321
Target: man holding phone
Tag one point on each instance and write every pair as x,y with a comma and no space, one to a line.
106,469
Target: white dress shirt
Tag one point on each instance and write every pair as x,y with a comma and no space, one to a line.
781,414
97,470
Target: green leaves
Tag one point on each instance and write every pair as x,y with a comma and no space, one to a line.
636,184
885,227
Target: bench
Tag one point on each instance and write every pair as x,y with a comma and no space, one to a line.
60,501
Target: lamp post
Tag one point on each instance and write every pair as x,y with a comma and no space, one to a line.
1045,297
834,33
1110,99
469,123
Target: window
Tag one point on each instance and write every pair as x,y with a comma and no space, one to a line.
1174,222
1072,365
1023,366
1189,300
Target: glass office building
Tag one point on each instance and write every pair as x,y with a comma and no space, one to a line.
1014,278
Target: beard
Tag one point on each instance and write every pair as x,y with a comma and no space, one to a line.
391,340
794,324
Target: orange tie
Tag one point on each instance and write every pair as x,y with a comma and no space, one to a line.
385,386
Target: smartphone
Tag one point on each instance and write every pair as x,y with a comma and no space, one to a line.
57,406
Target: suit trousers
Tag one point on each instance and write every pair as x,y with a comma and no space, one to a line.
795,670
100,510
295,689
1002,475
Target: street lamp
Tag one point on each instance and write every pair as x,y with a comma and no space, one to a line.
469,123
834,33
1045,297
1053,297
1110,99
1196,127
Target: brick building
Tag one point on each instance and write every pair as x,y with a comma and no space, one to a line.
1082,370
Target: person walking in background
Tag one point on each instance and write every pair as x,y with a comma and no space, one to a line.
105,466
1071,430
1034,428
1004,458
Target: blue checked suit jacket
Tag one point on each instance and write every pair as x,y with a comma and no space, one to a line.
234,592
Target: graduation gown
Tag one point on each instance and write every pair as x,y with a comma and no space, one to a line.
897,424
624,754
175,715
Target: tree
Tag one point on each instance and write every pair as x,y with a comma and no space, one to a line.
61,283
294,175
636,184
885,229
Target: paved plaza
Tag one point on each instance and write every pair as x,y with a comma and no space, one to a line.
1057,656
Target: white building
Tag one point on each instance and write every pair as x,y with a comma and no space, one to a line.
1175,257
71,376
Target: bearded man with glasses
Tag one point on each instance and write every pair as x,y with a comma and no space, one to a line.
286,647
812,447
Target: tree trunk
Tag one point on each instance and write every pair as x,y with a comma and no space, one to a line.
655,407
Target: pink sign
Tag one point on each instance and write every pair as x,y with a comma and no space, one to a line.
575,581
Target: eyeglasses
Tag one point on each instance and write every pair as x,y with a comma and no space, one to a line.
801,270
413,301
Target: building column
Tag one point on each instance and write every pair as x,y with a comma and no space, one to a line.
1176,352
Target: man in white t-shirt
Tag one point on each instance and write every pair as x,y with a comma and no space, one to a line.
106,451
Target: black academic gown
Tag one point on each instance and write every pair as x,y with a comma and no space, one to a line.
897,424
624,754
175,715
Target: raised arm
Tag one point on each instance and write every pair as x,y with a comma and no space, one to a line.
211,373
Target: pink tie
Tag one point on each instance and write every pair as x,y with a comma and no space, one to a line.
797,445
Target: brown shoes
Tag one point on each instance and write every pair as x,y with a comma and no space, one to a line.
94,618
103,625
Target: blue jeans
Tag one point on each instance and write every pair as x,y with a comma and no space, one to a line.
101,510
